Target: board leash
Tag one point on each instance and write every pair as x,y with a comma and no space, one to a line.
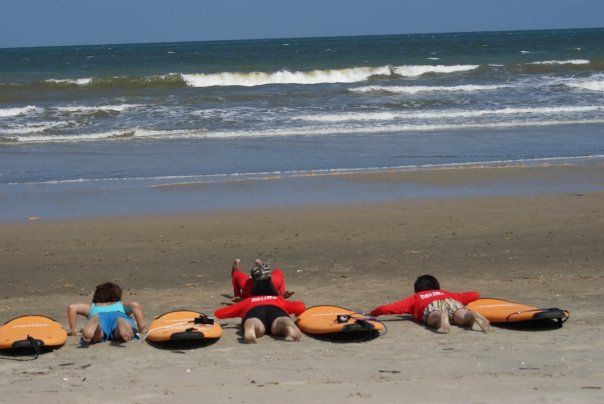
165,327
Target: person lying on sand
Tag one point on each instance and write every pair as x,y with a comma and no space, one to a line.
437,308
243,284
108,317
265,311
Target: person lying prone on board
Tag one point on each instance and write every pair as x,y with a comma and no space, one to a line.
265,311
437,308
108,317
243,284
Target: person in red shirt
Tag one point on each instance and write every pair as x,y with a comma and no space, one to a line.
265,312
243,284
437,308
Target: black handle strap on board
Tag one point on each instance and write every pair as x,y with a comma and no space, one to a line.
36,345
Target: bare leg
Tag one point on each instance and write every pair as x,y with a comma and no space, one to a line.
469,318
123,330
92,330
252,329
439,320
284,327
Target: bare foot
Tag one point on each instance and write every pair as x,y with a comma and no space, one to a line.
124,330
480,323
249,336
294,333
258,261
236,265
444,323
92,331
252,330
285,327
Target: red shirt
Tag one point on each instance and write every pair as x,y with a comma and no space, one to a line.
240,309
243,284
417,303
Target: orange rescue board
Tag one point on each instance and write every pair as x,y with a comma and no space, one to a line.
503,311
41,329
320,320
182,326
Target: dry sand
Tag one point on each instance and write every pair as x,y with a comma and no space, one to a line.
546,250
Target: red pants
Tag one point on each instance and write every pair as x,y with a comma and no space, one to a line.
243,284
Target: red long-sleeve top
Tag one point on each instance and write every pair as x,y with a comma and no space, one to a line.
240,309
417,303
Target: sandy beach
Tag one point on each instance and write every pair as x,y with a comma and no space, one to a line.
545,249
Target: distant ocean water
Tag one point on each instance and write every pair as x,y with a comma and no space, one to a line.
152,114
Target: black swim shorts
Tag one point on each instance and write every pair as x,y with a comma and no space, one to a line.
267,314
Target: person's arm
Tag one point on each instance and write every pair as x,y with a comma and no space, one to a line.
234,310
398,307
137,312
466,297
295,307
72,313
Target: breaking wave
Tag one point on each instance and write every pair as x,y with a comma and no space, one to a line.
251,79
418,70
140,133
425,89
78,82
8,112
387,116
562,62
247,79
594,83
97,108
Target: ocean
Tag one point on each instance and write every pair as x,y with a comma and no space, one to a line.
78,122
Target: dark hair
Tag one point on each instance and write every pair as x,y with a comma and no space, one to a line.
264,287
426,282
107,292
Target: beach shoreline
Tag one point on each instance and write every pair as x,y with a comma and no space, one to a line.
117,199
538,248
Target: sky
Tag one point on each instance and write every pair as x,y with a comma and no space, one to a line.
76,22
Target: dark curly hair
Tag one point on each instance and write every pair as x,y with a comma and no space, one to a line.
426,282
107,292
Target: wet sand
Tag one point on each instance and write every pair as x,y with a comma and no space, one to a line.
545,249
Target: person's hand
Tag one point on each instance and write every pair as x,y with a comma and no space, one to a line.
142,330
72,333
287,294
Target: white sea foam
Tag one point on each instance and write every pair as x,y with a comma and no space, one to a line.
595,83
33,128
80,82
350,129
57,138
250,79
425,89
348,75
8,112
418,70
433,58
439,114
562,62
96,108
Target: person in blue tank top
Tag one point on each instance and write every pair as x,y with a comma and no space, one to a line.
108,317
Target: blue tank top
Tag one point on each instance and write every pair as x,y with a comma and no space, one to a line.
117,306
